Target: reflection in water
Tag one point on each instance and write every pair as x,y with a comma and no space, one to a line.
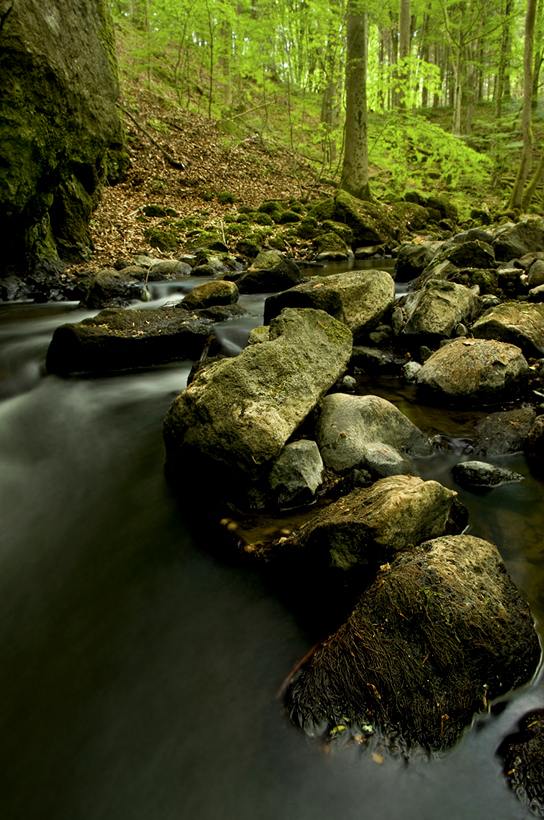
139,669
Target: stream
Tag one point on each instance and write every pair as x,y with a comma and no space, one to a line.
139,669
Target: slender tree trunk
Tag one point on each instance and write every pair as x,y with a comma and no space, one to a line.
501,71
404,52
226,55
355,171
517,192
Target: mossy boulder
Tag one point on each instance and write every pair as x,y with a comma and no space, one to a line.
413,215
60,132
242,411
164,240
111,287
517,323
440,633
343,231
217,292
330,246
371,222
115,340
307,228
446,208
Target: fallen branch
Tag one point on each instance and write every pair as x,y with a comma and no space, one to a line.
168,157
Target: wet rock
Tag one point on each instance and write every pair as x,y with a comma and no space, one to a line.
367,527
474,371
117,339
242,411
330,247
439,634
503,433
471,255
271,271
371,222
480,474
523,756
413,259
435,311
111,287
374,361
514,241
410,371
535,446
208,294
359,299
371,252
216,313
297,473
537,294
516,323
168,269
536,274
368,432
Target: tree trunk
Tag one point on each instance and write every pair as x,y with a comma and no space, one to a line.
404,52
501,72
517,192
355,172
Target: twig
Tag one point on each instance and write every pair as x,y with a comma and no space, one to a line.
168,157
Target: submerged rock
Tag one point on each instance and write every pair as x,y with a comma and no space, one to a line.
118,339
480,475
523,756
359,299
368,526
242,411
517,323
439,634
475,371
368,432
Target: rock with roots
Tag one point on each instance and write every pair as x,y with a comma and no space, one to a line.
439,634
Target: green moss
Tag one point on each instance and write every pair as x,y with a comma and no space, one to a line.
154,210
262,219
288,216
226,198
325,209
343,231
163,240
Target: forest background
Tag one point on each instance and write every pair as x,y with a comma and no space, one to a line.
445,84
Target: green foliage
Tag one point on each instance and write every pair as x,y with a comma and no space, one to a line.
414,148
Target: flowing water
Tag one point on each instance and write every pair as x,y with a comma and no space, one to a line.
139,668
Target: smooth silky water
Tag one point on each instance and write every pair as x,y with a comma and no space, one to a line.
139,668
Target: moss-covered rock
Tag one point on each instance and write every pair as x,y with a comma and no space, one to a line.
59,128
371,222
325,209
163,240
343,231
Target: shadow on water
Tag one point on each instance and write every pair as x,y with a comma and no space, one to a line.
139,666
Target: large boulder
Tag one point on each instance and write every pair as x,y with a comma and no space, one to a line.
359,299
209,294
368,432
479,475
371,222
117,339
514,241
367,527
271,271
242,411
60,134
114,288
412,259
503,433
435,311
517,323
440,633
474,371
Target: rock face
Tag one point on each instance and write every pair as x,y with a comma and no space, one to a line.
513,241
242,411
368,432
359,300
368,526
517,323
126,339
440,633
60,134
436,309
475,371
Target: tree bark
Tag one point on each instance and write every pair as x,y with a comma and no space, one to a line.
517,192
355,171
404,52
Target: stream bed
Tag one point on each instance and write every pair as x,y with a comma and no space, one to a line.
140,666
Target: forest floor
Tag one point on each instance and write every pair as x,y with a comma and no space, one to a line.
252,170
